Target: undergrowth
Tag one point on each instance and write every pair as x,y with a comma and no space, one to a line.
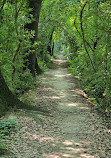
95,84
7,127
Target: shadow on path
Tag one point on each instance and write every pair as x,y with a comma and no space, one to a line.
73,131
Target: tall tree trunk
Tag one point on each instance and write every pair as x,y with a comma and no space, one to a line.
5,94
36,6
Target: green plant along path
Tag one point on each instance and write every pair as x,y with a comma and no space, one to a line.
32,32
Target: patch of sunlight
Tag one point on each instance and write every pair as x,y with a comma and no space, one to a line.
42,139
78,105
67,155
62,104
75,150
51,156
72,90
87,156
73,104
109,130
84,107
44,89
51,97
53,145
59,75
62,75
59,60
74,95
67,142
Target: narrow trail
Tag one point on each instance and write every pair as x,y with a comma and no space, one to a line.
73,131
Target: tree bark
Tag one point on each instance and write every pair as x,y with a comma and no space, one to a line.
50,47
9,100
32,58
53,49
6,94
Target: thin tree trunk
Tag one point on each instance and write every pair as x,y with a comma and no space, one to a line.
53,49
49,47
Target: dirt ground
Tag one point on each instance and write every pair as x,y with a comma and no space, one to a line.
72,130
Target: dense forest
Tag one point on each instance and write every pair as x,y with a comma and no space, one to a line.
34,31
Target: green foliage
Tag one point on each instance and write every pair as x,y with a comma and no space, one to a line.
81,30
7,127
16,45
89,48
23,81
12,31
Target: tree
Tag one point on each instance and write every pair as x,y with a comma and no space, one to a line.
13,42
7,99
50,46
35,5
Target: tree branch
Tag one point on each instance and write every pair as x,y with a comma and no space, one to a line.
83,35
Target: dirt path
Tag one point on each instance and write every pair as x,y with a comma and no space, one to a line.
73,131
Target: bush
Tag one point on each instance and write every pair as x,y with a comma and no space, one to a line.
96,84
7,127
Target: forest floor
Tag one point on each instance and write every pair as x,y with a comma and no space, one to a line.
72,130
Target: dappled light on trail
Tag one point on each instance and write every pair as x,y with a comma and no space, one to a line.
73,104
70,130
51,97
71,149
62,92
60,75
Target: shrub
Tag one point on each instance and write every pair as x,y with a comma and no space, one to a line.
7,127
